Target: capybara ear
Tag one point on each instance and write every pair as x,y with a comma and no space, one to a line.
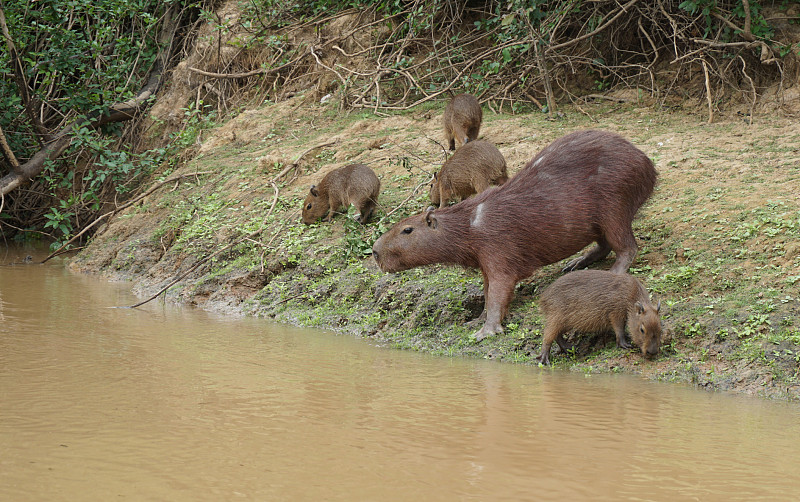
314,191
639,308
430,219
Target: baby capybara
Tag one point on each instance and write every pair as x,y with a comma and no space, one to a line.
355,184
462,120
470,170
585,187
593,301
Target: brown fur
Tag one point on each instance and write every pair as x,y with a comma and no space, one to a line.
593,301
462,120
470,170
355,184
585,187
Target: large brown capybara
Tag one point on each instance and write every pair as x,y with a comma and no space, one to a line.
585,187
355,184
472,169
462,120
594,301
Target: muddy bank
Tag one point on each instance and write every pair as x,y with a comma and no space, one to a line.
717,241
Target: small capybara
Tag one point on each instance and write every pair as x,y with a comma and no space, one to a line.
462,120
470,170
585,187
593,301
355,184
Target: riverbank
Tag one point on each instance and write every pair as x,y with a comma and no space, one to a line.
719,241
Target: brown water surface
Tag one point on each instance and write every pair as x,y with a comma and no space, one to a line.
171,403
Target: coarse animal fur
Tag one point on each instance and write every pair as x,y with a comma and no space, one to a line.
594,301
462,120
472,169
585,187
354,184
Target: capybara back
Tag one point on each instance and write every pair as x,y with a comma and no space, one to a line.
472,169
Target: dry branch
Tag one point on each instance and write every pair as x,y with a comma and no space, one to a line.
296,162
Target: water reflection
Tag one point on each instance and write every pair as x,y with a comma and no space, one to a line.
165,403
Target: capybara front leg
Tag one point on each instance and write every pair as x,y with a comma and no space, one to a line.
365,211
619,331
498,296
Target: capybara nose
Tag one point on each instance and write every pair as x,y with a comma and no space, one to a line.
374,254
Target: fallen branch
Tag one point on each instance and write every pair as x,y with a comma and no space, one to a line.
294,164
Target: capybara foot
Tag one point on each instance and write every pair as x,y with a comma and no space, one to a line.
487,331
478,320
574,264
544,358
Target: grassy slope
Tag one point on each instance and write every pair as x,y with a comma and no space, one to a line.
719,240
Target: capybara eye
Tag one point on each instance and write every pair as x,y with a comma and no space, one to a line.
408,230
308,207
641,329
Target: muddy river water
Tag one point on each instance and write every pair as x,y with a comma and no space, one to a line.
173,403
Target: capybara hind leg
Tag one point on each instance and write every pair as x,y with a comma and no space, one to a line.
544,357
626,251
550,334
562,344
482,318
598,252
498,297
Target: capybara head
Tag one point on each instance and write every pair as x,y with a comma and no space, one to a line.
315,206
404,246
433,193
644,325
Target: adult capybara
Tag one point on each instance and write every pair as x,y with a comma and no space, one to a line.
585,187
592,301
470,170
355,184
462,120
